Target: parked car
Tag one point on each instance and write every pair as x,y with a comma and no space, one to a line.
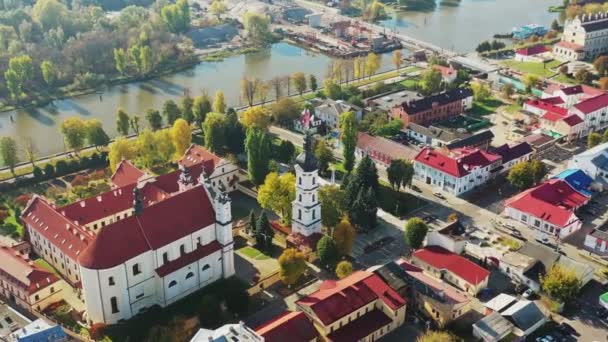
529,293
543,239
510,226
429,218
439,195
417,189
521,288
516,233
546,338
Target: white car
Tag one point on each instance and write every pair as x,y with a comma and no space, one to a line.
528,293
543,239
547,338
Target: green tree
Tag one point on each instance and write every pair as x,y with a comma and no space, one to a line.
145,59
481,92
176,16
251,226
327,252
344,235
20,69
332,89
292,265
344,269
8,151
521,175
348,137
120,149
95,134
324,155
555,25
209,311
389,129
120,60
236,132
430,81
298,80
181,136
561,284
312,80
186,109
134,53
155,121
277,194
214,129
74,132
257,145
395,172
257,27
217,8
264,233
436,336
507,90
219,104
285,110
415,232
539,170
285,151
200,108
49,72
333,208
50,13
364,209
170,111
531,81
593,139
373,63
122,122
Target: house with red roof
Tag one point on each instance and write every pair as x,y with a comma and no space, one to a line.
569,127
27,284
448,74
513,154
548,208
567,51
137,246
382,151
536,54
360,307
456,171
594,112
452,268
570,95
294,324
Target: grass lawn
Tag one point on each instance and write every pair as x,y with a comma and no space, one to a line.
462,122
512,108
45,265
565,79
540,69
253,253
512,244
481,108
409,83
398,203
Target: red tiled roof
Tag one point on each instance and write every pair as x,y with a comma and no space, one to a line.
570,46
293,324
533,50
188,258
190,211
31,277
553,201
552,116
450,294
125,174
573,90
361,327
71,238
196,154
441,258
573,120
546,106
592,104
336,299
169,181
276,225
556,100
458,162
373,145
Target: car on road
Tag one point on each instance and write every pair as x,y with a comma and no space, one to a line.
546,338
529,293
516,233
417,189
509,226
543,239
429,219
439,195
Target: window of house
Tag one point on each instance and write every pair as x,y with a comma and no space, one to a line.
300,180
206,267
198,240
314,214
182,249
111,281
165,258
313,198
114,304
172,283
36,297
314,180
139,295
52,289
300,198
299,214
136,269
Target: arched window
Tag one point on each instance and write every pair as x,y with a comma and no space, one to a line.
300,198
299,214
206,267
172,283
313,198
314,212
300,180
314,180
189,275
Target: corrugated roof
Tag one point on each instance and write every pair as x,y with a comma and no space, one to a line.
442,259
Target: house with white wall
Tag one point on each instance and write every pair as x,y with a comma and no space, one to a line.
594,162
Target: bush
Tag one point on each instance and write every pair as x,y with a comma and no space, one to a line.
85,162
3,215
38,174
49,171
73,165
96,331
61,168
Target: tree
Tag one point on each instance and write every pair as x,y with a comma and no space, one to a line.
30,149
601,65
95,134
373,63
256,117
49,72
170,111
49,13
348,137
120,60
134,123
389,129
277,193
176,16
49,170
249,89
209,311
395,173
324,155
436,336
285,151
430,81
539,170
397,59
74,132
481,92
531,81
453,217
415,232
217,8
298,80
332,89
8,151
214,128
186,109
344,269
264,233
257,27
603,83
155,121
593,139
122,122
507,90
560,284
331,198
364,209
292,265
583,76
555,25
235,130
257,145
155,148
145,58
200,108
251,226
181,136
120,149
344,236
312,81
521,175
327,252
20,69
285,110
219,104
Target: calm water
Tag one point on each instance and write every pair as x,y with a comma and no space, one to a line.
461,24
282,59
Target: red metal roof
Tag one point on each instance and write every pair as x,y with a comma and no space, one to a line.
450,294
336,299
379,146
553,201
552,116
570,46
546,106
24,272
458,162
592,104
556,100
441,258
573,120
126,173
533,50
190,211
293,324
188,258
361,327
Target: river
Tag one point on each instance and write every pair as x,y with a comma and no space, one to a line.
460,25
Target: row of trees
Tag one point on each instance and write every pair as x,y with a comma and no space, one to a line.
486,46
526,174
595,138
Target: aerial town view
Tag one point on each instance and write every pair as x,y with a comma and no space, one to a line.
303,170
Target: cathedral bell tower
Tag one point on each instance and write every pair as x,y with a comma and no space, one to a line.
306,215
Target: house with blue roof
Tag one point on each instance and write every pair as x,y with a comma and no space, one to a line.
40,331
594,162
577,179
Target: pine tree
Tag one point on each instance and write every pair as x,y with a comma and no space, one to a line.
327,252
251,225
264,233
258,147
